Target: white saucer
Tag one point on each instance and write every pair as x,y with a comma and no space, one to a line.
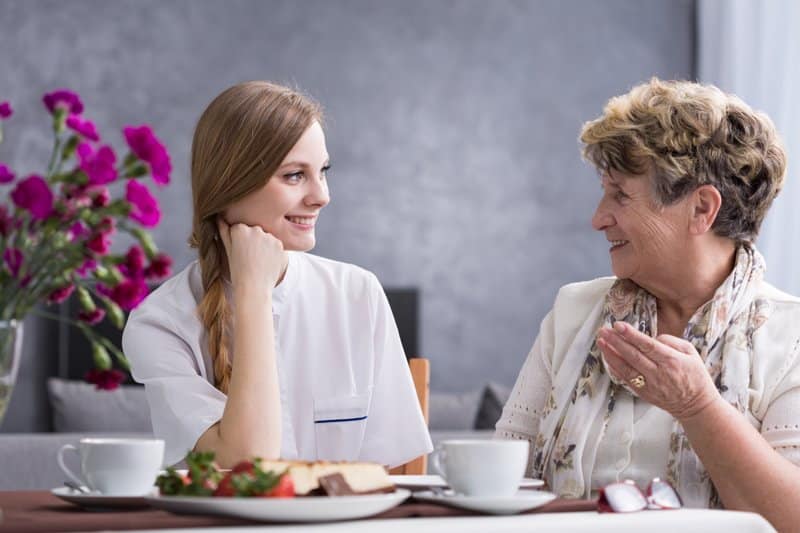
429,481
98,501
523,500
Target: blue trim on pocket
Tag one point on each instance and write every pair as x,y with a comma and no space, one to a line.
331,420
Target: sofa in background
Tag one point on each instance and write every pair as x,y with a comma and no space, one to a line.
28,460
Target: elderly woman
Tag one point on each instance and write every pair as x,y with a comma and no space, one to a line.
685,365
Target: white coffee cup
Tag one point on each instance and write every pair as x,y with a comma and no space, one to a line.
487,468
116,466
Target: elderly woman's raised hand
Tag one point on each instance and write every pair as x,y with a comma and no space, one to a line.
256,259
665,371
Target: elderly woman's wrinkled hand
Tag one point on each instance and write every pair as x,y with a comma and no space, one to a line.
674,376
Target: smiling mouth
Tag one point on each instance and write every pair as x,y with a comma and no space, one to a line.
302,222
616,245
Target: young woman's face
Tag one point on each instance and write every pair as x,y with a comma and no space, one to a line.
289,204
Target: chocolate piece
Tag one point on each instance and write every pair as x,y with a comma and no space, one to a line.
335,485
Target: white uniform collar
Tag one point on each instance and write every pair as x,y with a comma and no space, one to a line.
280,294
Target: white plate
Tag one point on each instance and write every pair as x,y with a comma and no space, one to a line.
303,509
98,501
426,482
521,501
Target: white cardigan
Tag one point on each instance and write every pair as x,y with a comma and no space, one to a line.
636,443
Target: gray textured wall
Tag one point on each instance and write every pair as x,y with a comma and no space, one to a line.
452,127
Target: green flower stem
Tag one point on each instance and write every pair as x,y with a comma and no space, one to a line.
75,323
55,158
90,334
19,234
42,284
120,357
43,250
144,238
9,308
49,253
55,260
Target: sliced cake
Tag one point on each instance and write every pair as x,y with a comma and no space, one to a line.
359,478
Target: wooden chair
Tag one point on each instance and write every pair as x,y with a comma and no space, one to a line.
421,374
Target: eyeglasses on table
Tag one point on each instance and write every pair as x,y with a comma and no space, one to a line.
626,497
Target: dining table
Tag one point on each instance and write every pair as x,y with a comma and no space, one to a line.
41,511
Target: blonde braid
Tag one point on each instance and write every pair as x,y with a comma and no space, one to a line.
213,309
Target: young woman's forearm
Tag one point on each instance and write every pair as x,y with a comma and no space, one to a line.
748,473
251,423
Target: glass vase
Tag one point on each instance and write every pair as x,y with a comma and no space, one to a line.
10,353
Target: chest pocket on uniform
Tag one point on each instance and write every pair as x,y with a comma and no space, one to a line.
339,424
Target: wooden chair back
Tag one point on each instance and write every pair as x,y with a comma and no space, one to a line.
421,374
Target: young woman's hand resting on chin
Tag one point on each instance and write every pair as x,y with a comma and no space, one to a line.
256,259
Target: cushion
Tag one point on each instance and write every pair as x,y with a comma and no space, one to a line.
453,411
80,407
493,400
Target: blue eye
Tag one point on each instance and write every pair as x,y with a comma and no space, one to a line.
324,171
294,177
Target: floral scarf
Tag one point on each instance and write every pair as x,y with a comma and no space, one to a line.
721,330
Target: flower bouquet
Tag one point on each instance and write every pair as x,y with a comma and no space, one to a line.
56,231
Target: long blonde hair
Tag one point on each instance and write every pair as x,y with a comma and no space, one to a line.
239,142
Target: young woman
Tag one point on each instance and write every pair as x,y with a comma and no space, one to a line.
258,348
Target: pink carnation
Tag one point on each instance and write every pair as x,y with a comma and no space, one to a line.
128,293
76,231
61,294
160,267
7,222
6,176
144,206
99,165
105,379
107,225
101,198
5,110
83,127
63,98
92,317
86,267
134,261
147,147
99,244
13,258
33,194
74,198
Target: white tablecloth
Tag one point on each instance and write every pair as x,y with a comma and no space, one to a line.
682,521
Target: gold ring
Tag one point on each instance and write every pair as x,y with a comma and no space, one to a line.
638,381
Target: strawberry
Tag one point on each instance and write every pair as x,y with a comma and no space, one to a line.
249,480
225,487
243,466
284,488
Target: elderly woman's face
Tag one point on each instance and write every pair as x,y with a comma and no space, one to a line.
645,238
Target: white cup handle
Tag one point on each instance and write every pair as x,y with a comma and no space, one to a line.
67,471
437,457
